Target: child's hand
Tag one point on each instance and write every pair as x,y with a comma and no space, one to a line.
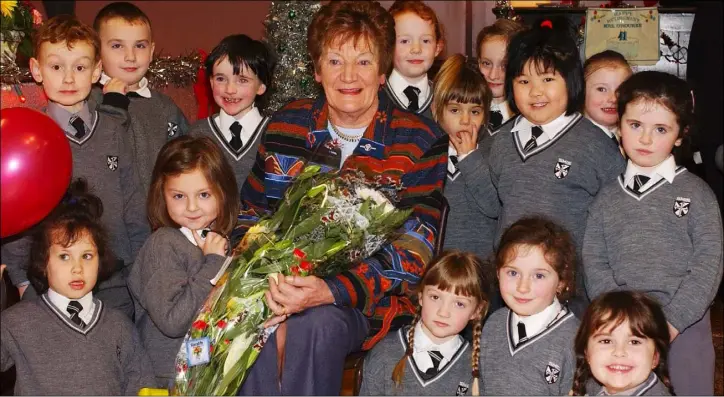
673,332
213,244
467,141
115,85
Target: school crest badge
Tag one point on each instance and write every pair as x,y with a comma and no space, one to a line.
681,206
553,372
172,129
112,162
562,168
462,389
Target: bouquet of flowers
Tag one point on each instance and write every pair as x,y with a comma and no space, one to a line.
18,21
324,225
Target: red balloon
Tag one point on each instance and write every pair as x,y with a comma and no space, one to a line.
36,168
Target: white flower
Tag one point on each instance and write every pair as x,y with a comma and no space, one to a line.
237,348
376,196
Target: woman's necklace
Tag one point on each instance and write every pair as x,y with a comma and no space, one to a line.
345,137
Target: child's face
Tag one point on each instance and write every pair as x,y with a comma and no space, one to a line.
190,201
72,271
649,131
445,314
620,360
491,62
528,283
126,50
415,46
461,117
601,88
235,93
540,97
67,74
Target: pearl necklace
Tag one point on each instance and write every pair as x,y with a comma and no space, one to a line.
347,138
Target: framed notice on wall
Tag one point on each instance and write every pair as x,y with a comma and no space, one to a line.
633,32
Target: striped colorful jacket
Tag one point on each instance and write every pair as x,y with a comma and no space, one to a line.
398,145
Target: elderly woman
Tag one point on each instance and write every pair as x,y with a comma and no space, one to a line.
351,127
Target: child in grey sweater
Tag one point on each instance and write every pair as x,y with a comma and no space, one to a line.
68,342
427,358
658,228
550,160
240,71
527,347
193,190
622,347
127,51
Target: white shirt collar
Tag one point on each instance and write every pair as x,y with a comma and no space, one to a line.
550,130
665,170
61,302
538,322
603,127
189,235
423,345
249,121
142,90
503,108
399,83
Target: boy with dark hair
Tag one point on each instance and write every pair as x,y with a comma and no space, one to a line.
240,70
126,53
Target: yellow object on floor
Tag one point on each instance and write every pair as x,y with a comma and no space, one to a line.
147,391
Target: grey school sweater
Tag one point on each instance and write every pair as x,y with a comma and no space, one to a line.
541,365
666,241
454,378
154,121
468,229
104,158
53,356
652,386
169,282
241,160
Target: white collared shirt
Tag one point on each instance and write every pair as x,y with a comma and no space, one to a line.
550,130
248,121
605,129
423,345
503,108
189,234
399,83
61,302
142,90
536,323
665,170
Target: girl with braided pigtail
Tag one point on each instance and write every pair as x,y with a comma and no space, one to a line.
452,294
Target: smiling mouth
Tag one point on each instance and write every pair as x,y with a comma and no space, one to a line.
415,61
231,100
130,70
350,91
522,301
539,104
619,368
609,110
643,152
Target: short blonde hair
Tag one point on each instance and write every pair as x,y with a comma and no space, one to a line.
459,81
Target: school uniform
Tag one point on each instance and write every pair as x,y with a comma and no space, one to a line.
499,114
611,134
238,138
154,120
61,348
416,97
432,370
169,282
103,158
652,386
536,358
661,233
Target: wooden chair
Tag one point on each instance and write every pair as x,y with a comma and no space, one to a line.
353,365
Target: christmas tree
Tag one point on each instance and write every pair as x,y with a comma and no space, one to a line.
286,34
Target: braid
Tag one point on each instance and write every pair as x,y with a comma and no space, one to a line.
583,372
399,372
477,333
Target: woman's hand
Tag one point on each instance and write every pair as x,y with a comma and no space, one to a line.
673,332
213,244
294,294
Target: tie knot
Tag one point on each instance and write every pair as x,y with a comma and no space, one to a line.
74,307
78,125
454,159
412,95
536,131
496,119
521,332
411,90
639,181
235,128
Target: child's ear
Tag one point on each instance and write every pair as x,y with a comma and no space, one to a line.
261,90
153,51
655,362
97,72
438,47
419,298
678,142
35,70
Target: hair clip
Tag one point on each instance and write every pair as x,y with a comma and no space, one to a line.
547,24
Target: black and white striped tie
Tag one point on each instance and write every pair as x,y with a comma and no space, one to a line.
532,144
74,308
639,182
